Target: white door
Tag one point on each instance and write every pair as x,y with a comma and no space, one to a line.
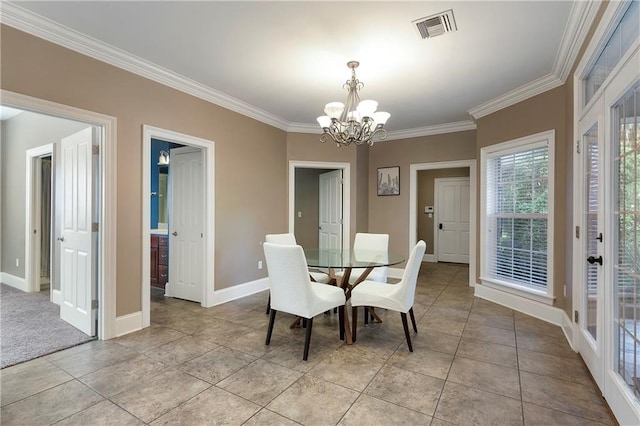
186,224
590,235
330,218
452,204
77,241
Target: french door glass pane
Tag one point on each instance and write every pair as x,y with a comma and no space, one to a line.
627,248
591,221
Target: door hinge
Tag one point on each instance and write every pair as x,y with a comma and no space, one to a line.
577,232
94,227
95,149
578,147
576,316
94,304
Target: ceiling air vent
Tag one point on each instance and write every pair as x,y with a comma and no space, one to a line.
436,25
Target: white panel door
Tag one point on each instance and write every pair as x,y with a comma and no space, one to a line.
77,266
186,224
452,204
330,218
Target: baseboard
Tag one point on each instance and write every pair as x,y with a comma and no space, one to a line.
526,306
56,296
430,258
129,323
239,291
13,281
395,272
567,329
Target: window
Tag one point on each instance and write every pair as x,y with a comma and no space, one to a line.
517,217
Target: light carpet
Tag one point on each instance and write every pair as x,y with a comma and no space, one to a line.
30,327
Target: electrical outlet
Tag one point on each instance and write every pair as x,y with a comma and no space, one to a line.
17,262
259,264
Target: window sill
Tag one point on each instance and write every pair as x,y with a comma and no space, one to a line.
518,290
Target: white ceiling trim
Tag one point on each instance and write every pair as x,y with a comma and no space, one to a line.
458,126
31,23
519,94
580,19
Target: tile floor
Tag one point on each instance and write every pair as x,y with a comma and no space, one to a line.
474,363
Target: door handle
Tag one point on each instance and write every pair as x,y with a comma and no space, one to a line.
174,233
599,237
593,260
60,239
440,226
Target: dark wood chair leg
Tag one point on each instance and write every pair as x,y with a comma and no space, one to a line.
406,330
268,304
366,316
272,319
341,321
413,320
304,323
354,322
307,338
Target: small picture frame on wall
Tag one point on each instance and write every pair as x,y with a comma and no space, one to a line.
389,180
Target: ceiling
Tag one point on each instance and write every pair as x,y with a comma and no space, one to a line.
281,62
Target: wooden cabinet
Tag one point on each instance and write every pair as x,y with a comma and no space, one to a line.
159,260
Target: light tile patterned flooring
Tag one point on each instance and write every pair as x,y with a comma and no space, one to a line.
474,363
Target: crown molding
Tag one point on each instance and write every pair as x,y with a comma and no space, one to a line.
582,15
580,19
519,94
36,25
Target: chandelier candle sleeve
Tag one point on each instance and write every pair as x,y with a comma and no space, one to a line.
354,121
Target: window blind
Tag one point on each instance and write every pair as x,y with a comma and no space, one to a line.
517,222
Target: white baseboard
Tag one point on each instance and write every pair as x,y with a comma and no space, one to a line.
395,272
238,291
56,296
430,258
530,307
567,328
13,281
129,323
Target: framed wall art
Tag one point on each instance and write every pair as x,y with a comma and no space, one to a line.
389,180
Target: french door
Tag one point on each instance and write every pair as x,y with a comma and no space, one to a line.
607,250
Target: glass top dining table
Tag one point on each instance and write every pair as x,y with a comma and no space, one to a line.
349,258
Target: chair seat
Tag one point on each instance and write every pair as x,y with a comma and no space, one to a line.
320,277
381,295
377,274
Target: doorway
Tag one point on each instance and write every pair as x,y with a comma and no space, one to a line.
188,268
451,224
306,207
420,224
104,257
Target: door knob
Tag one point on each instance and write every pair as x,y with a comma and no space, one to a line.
174,233
593,260
60,239
599,237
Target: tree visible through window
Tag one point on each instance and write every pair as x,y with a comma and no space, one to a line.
516,196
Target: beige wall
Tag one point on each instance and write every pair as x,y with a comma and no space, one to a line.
390,214
426,197
546,111
250,157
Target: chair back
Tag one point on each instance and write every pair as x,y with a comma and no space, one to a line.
286,239
289,280
380,242
410,277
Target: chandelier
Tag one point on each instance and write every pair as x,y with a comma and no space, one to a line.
354,121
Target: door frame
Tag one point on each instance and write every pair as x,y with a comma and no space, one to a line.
32,246
346,193
106,259
473,213
436,187
208,151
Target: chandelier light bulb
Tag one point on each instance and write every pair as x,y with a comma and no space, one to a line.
334,109
381,118
324,121
367,108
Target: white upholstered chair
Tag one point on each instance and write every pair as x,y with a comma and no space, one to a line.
292,290
290,239
396,297
366,241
